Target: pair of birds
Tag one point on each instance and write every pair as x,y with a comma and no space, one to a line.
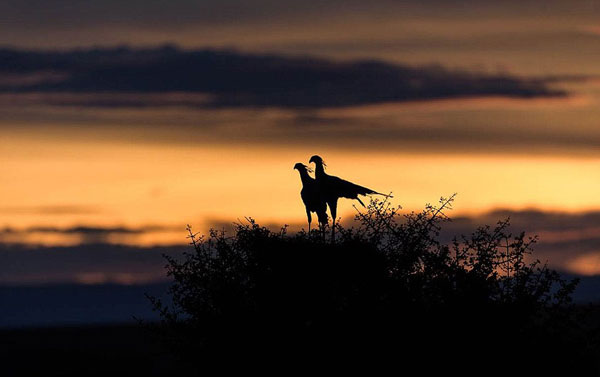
325,190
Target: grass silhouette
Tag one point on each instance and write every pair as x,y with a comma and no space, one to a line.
386,293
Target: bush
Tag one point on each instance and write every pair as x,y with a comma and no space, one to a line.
385,290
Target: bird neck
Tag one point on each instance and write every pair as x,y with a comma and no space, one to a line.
304,176
319,170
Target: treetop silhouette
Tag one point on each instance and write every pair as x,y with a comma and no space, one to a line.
387,292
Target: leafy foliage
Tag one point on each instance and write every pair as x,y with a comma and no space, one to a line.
386,289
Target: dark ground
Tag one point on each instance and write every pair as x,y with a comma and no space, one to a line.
109,350
127,350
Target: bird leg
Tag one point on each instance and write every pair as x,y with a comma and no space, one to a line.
309,216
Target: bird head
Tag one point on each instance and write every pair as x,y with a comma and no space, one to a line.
317,160
300,167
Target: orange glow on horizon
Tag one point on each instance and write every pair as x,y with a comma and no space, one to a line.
587,265
154,184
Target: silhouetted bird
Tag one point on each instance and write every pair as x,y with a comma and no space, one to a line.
313,200
332,188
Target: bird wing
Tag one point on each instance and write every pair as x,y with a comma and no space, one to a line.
347,189
304,194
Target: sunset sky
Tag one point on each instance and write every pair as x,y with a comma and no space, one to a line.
121,122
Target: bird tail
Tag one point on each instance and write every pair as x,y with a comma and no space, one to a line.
373,192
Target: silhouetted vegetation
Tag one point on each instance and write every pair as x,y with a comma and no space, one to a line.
386,293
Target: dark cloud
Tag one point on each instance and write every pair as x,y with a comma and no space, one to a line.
105,100
82,234
568,242
98,230
231,79
84,264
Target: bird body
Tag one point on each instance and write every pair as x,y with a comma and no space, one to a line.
311,196
332,188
